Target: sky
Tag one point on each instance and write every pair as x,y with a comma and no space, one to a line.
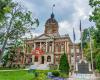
68,13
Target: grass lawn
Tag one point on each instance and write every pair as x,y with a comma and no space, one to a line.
16,75
20,74
25,75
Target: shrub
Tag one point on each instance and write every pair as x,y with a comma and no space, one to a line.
63,75
55,73
64,65
41,76
53,66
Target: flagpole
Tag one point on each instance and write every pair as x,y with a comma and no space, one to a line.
74,49
81,41
74,56
81,46
91,49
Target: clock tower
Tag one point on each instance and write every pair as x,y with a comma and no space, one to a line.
51,26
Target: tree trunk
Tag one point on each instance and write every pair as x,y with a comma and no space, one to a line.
6,39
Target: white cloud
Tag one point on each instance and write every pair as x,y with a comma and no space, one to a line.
29,6
66,27
29,35
82,10
76,9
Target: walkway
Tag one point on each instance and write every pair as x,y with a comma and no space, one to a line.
13,70
83,77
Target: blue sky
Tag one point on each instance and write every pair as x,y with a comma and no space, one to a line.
68,13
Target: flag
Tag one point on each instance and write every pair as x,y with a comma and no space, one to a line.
74,38
80,26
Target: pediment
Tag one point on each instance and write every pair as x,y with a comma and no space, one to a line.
43,36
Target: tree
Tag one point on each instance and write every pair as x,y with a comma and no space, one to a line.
98,61
10,55
86,41
5,7
15,24
64,65
94,32
95,17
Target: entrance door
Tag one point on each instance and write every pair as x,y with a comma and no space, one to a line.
42,61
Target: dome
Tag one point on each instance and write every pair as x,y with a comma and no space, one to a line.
51,20
51,26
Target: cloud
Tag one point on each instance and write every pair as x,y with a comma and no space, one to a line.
65,27
68,13
82,10
32,34
29,5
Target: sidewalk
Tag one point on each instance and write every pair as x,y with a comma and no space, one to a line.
83,77
12,70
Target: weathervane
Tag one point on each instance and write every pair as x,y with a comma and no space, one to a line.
53,7
52,15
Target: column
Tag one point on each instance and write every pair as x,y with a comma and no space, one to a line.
53,47
46,46
33,59
53,57
76,67
34,45
65,47
40,45
68,47
45,59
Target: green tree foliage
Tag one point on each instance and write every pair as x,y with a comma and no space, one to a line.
95,17
41,76
86,41
16,22
64,65
94,32
5,7
10,54
98,61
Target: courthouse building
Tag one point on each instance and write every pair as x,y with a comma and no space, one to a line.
49,46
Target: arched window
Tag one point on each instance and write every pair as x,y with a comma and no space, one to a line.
48,58
36,59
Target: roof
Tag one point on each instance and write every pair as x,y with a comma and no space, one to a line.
45,36
51,20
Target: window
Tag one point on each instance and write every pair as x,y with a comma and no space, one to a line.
77,50
44,47
48,58
72,50
57,58
36,59
56,48
50,47
30,60
62,48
